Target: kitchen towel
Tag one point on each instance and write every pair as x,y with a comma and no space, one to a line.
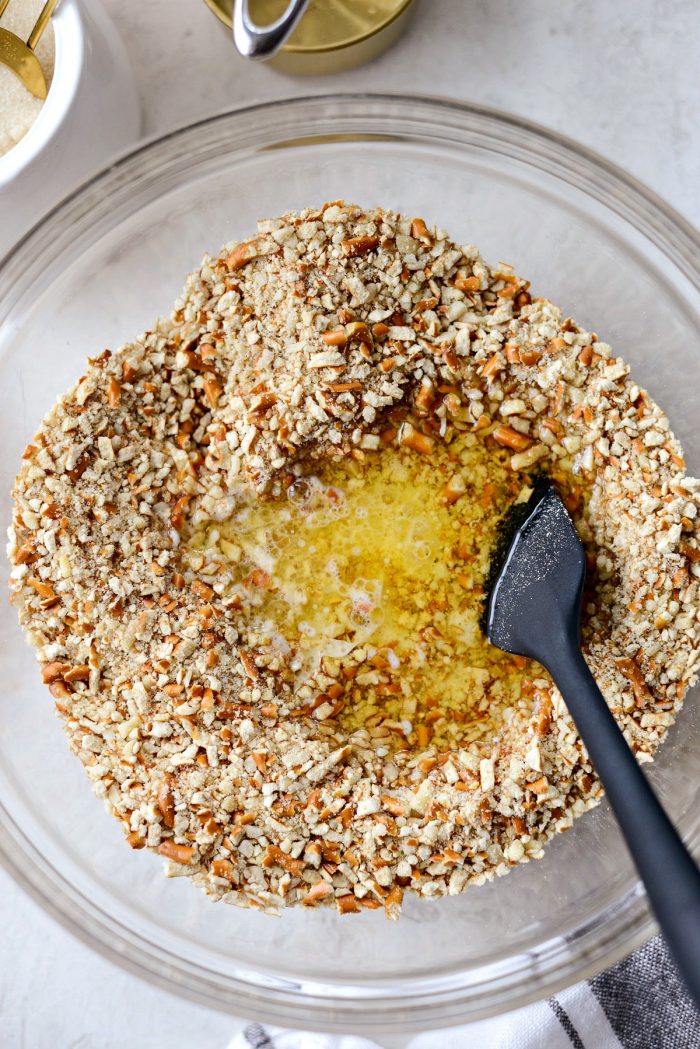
639,1003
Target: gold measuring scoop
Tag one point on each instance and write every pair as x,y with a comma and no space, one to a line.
19,56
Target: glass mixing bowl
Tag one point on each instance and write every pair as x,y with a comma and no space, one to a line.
98,270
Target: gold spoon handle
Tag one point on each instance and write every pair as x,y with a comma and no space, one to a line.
40,24
3,7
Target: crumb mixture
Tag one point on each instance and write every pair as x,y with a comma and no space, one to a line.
18,108
359,384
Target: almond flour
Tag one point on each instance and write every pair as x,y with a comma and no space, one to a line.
337,343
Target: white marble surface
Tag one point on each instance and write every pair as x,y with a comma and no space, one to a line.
622,78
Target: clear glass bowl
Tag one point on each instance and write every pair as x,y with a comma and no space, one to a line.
94,273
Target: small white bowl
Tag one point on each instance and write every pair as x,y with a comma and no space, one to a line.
92,111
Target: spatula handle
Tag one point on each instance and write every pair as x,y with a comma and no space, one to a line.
669,873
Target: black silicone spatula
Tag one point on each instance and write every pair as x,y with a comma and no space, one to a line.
534,610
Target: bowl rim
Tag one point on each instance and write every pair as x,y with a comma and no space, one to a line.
656,207
447,1002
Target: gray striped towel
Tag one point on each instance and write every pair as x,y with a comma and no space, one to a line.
638,1004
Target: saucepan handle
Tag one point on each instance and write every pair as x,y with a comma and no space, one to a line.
260,42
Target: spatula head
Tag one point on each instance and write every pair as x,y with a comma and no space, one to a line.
535,597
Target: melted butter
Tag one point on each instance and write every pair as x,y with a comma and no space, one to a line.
373,573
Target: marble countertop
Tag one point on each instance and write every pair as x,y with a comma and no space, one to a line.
621,78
